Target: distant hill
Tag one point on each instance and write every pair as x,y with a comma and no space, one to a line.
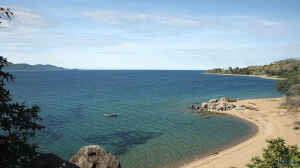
28,67
282,68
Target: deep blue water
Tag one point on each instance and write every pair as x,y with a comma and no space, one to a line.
155,127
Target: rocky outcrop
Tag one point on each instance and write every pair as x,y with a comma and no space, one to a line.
223,104
204,105
212,101
227,100
94,157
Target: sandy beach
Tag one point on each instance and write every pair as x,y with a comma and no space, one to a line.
271,121
257,76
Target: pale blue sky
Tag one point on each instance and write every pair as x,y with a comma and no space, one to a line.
151,34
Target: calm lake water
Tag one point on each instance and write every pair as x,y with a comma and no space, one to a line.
155,127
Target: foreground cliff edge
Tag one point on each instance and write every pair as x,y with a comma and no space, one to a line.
271,120
92,156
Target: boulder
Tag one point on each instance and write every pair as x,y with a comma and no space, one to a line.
220,107
226,100
211,106
204,105
225,106
213,101
94,157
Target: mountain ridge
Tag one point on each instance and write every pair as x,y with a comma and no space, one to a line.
37,67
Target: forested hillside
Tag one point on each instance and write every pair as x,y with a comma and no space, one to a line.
282,68
289,69
27,67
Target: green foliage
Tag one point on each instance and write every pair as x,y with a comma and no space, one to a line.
292,79
277,155
237,70
282,68
291,88
17,123
294,90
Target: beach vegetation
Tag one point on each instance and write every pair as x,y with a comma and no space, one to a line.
293,98
277,155
18,123
283,86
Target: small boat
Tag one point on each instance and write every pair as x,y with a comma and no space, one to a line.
110,115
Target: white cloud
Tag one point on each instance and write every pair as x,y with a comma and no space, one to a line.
110,37
28,17
268,22
143,22
117,17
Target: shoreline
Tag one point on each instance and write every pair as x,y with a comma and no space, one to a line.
256,76
270,120
253,132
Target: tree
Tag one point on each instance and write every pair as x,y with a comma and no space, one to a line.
284,85
294,90
17,123
5,13
293,97
277,155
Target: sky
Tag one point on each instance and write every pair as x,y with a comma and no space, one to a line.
151,34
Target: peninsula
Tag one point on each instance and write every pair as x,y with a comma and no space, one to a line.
28,67
282,69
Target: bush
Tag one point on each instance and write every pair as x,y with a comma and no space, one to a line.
284,85
277,155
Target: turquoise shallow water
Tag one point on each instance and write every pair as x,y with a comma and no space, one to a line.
155,127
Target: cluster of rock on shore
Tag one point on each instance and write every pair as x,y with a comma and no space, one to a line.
215,105
88,157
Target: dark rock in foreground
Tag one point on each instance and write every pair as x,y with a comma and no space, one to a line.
88,157
94,157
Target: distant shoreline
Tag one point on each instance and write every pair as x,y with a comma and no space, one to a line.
36,70
271,122
257,76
